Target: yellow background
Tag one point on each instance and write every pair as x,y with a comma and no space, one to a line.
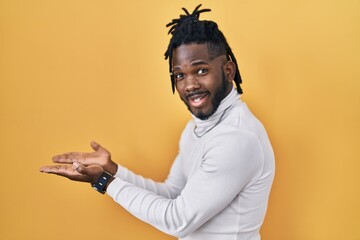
73,71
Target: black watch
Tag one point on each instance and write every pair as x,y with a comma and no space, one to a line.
100,184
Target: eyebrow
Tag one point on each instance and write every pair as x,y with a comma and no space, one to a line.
194,63
199,62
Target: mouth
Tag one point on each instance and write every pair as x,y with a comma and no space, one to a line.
197,99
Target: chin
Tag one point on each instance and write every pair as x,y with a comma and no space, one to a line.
203,115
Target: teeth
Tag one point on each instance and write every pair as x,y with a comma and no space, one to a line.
197,100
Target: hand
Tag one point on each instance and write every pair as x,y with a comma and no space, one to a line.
100,156
76,172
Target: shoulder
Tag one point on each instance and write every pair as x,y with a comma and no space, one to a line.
237,138
232,150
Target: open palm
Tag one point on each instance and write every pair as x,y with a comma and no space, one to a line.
100,156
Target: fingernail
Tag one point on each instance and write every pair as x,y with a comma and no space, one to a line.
76,165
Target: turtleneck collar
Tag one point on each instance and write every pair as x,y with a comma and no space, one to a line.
203,126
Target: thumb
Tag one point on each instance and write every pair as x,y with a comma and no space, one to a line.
93,172
80,168
98,148
95,145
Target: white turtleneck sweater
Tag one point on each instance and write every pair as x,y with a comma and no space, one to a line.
218,185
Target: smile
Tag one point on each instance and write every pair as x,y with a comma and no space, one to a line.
197,99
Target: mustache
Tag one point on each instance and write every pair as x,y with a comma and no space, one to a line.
189,95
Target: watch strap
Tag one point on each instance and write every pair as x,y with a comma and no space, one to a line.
101,182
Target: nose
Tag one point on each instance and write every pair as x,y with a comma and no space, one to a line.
191,83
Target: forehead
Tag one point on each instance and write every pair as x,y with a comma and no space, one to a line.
190,52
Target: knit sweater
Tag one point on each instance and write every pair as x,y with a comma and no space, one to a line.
218,185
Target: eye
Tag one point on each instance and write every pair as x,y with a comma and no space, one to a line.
178,76
202,71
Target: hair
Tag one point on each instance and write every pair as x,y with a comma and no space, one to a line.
189,29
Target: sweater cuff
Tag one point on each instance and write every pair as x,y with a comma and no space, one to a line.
115,187
120,173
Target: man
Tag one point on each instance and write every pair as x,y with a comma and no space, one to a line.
219,184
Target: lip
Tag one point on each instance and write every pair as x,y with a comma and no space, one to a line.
196,94
197,99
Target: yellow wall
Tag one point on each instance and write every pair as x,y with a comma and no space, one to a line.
72,71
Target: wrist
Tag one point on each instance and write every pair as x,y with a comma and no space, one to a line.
102,182
112,168
108,183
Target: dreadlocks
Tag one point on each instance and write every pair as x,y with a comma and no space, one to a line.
189,29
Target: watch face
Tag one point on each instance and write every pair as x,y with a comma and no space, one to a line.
100,184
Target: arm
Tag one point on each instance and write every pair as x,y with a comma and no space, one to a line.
227,167
101,160
170,188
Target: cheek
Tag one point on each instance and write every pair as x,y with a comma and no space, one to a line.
211,83
179,86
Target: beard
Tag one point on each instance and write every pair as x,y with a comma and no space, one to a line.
219,95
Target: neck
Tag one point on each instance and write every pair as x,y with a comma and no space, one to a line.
204,126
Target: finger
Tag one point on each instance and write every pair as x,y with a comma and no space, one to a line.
49,169
93,171
76,165
81,169
57,169
67,171
71,157
98,148
44,169
95,145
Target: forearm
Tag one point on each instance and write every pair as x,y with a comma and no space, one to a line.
160,188
151,208
170,188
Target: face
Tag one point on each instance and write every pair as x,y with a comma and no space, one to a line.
202,82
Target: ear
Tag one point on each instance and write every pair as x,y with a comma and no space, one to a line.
230,70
